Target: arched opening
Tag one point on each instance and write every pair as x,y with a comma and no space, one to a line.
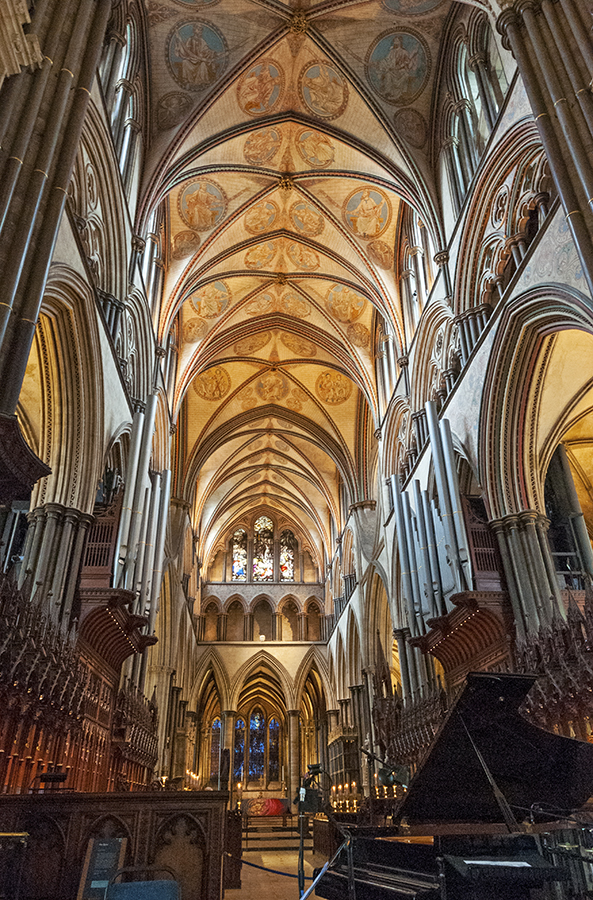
314,725
261,748
290,622
235,622
313,621
262,618
211,622
208,748
567,486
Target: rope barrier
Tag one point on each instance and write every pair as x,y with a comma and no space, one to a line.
255,866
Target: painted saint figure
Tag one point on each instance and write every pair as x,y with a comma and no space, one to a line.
367,219
201,208
397,69
260,89
316,148
197,63
325,91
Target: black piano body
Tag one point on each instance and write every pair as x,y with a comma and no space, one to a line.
484,867
487,772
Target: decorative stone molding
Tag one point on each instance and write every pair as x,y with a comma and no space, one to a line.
286,183
299,23
20,467
17,49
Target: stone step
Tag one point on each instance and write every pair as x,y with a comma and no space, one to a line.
282,848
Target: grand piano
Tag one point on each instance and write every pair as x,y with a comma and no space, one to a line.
494,812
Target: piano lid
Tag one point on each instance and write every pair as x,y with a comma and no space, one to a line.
528,764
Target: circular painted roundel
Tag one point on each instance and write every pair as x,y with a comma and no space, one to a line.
398,66
323,90
196,54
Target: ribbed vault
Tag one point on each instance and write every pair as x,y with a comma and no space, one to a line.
292,138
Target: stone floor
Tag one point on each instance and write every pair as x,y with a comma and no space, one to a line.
259,885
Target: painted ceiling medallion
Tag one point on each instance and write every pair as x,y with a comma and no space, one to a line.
300,346
412,127
272,387
214,384
259,90
367,212
290,304
333,388
306,218
398,66
296,306
202,204
261,217
172,109
344,304
303,257
211,300
261,255
252,344
196,54
262,146
381,254
315,148
359,335
323,90
194,329
185,243
262,305
411,7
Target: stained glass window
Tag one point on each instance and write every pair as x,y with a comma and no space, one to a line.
263,550
274,751
287,548
240,555
257,745
238,763
215,749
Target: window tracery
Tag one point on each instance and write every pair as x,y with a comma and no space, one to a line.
274,750
120,74
239,544
477,85
257,745
287,549
263,550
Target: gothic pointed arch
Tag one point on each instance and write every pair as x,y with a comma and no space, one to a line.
505,472
262,660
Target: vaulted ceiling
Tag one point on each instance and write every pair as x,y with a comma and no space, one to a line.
287,141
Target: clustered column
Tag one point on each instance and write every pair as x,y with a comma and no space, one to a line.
53,549
529,571
551,42
37,173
